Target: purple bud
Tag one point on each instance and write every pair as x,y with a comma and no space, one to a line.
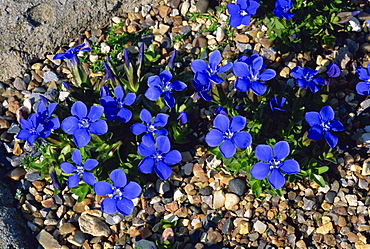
104,91
66,85
333,70
182,118
172,59
109,73
126,58
54,178
141,53
221,110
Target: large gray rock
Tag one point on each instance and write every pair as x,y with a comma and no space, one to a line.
31,28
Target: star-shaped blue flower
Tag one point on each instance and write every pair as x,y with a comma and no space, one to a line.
161,84
322,123
273,164
79,170
115,108
241,12
158,157
305,77
363,87
71,53
282,9
276,104
81,124
119,196
228,134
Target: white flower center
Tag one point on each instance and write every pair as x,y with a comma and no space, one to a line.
80,169
151,128
229,134
84,123
274,164
243,13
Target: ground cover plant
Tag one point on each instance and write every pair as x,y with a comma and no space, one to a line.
111,132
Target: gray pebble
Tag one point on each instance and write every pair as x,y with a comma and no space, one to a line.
237,186
202,6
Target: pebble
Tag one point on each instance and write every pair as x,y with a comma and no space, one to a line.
231,201
237,186
259,226
202,6
47,240
92,225
218,199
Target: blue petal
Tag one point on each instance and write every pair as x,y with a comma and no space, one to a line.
233,9
246,20
131,190
313,118
162,170
163,144
227,148
237,123
67,168
222,123
146,165
260,170
125,206
225,68
103,188
88,178
145,150
313,87
235,20
161,132
241,69
108,206
130,99
362,73
253,6
172,157
148,139
25,124
90,164
327,113
214,59
290,167
166,76
216,79
242,139
214,137
257,65
23,135
266,75
79,109
363,88
99,127
263,152
118,92
73,180
96,111
178,85
153,93
281,150
202,79
319,81
315,133
54,123
242,85
70,125
31,139
335,125
258,88
138,128
160,120
303,83
41,109
331,139
118,178
81,137
276,179
205,96
198,65
76,157
124,115
297,72
154,81
169,99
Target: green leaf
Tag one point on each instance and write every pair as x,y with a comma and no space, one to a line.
319,180
81,190
322,170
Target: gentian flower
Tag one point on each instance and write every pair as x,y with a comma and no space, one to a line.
321,125
346,16
54,179
79,170
109,73
221,110
44,114
228,134
115,108
363,87
161,84
158,157
182,118
150,127
306,77
282,9
273,164
71,53
126,58
249,77
67,86
276,104
333,70
241,12
120,195
104,91
206,74
31,129
171,61
81,124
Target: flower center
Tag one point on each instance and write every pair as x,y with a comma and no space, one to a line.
308,77
84,123
274,164
243,13
325,126
117,194
285,9
80,169
229,134
165,87
158,157
151,128
32,131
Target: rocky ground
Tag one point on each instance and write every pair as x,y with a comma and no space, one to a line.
211,208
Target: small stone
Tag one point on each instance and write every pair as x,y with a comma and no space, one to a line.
285,72
308,204
352,237
218,199
241,38
220,34
200,42
202,6
50,76
145,244
352,200
231,201
355,24
213,237
237,186
17,174
94,226
185,8
259,226
227,227
329,196
168,235
162,186
164,11
325,229
47,240
19,84
329,239
67,228
187,168
78,239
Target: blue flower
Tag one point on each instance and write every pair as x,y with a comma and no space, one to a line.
158,157
182,118
53,176
120,195
273,164
71,53
276,104
241,12
161,84
150,127
306,77
44,114
206,74
221,110
321,125
104,91
282,9
81,124
31,129
333,70
228,134
115,108
363,87
79,170
171,61
109,73
249,76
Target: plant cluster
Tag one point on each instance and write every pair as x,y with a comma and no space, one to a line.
125,124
